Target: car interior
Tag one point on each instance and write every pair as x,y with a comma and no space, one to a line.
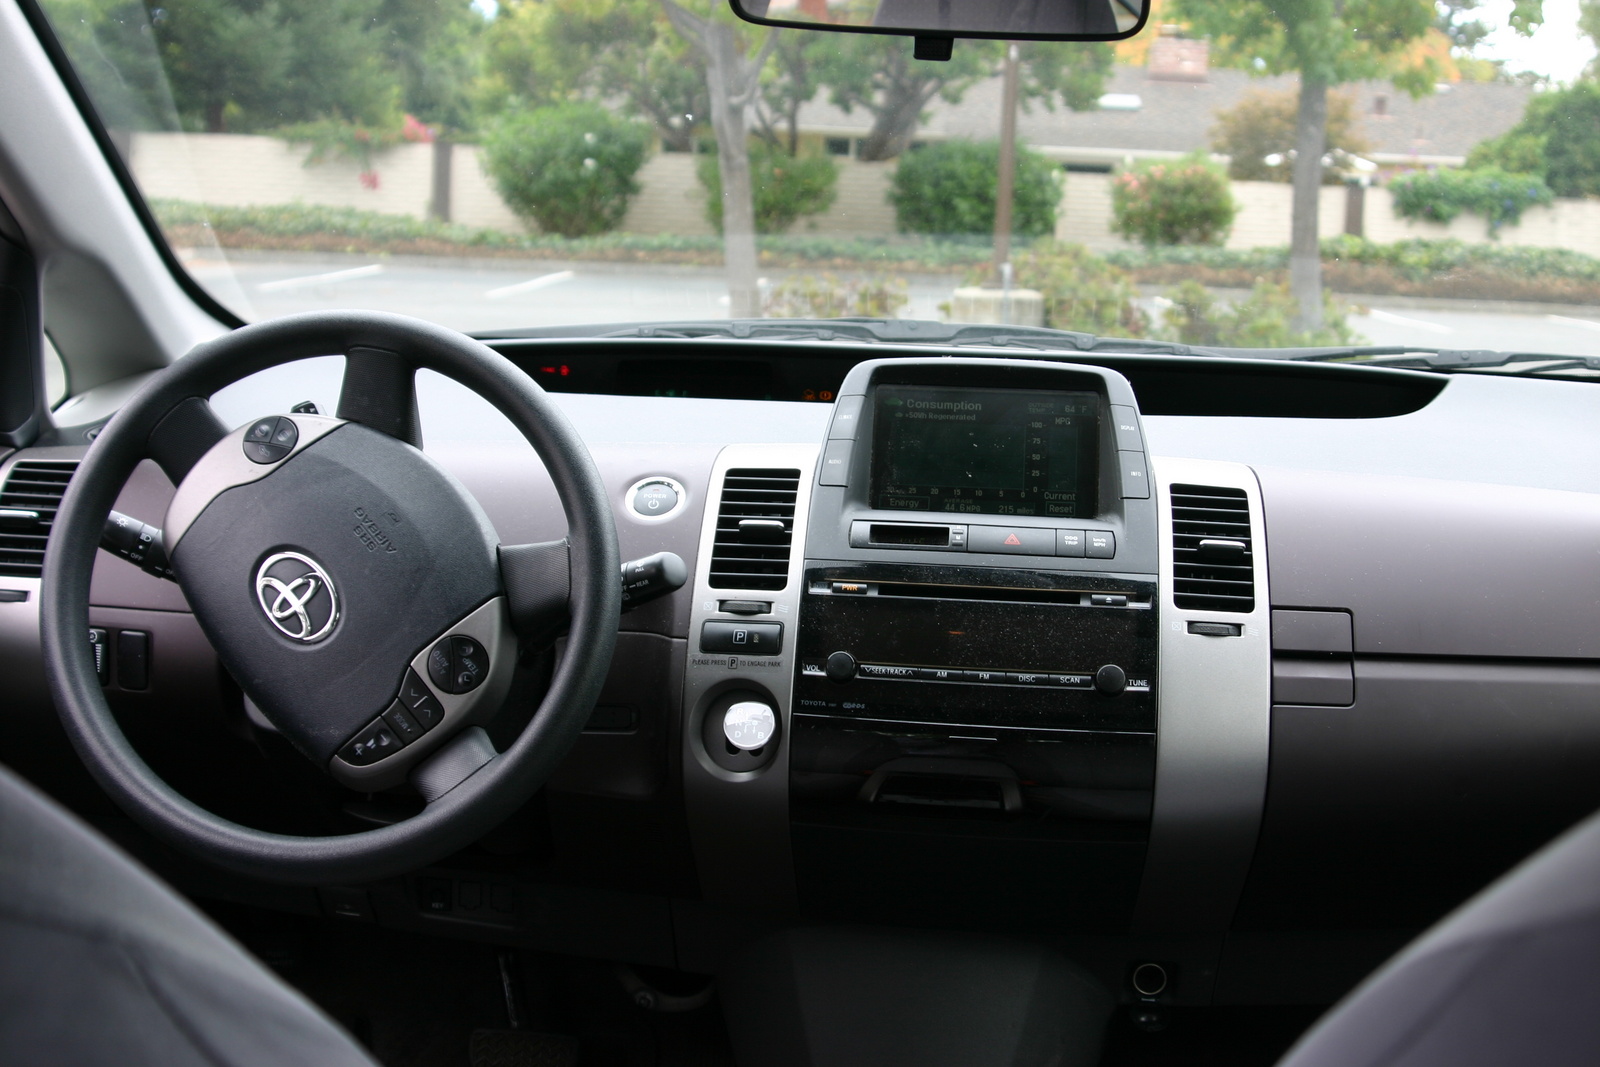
377,693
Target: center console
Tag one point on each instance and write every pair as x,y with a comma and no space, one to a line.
977,646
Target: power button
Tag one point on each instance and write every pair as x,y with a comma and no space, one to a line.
655,497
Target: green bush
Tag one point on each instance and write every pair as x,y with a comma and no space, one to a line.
570,168
1173,202
1081,291
949,187
783,187
1441,195
1261,320
1558,138
807,296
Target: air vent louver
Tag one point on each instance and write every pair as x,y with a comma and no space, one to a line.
757,555
33,488
1213,561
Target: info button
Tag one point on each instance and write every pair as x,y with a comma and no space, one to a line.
1011,540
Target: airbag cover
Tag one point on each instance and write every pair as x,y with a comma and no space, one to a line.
406,549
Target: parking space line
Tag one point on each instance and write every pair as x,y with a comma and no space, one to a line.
1402,320
286,284
530,285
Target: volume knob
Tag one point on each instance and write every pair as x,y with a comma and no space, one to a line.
1110,680
841,667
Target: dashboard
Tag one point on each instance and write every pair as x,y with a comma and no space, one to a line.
1243,671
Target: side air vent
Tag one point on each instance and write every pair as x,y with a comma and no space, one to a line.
28,504
1212,559
755,529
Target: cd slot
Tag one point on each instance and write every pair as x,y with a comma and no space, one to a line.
1100,598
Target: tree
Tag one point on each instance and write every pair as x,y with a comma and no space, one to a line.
878,74
1263,124
1329,42
733,76
436,48
257,65
541,52
1557,138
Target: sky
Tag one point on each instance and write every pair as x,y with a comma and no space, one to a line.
1556,48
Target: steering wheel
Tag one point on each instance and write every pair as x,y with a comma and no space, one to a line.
354,589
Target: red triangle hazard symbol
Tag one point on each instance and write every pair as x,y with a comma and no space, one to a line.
1012,539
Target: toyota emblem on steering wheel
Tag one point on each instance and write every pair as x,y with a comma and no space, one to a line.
297,596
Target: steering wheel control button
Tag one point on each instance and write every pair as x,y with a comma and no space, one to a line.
371,744
749,725
1011,540
1100,544
441,666
655,498
269,440
1110,680
471,664
841,667
287,435
413,690
745,638
400,720
428,712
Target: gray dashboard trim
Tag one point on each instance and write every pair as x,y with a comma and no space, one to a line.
739,822
1212,739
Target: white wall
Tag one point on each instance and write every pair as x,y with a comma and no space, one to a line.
239,170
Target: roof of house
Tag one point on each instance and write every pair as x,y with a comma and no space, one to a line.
1177,116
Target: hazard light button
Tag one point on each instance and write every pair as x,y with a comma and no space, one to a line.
1011,540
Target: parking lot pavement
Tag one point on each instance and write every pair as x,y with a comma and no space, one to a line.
476,296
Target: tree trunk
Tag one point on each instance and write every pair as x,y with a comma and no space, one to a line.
733,158
894,125
1305,256
216,116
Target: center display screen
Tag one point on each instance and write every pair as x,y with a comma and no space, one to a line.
985,452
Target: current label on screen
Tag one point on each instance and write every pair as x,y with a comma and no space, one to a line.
986,452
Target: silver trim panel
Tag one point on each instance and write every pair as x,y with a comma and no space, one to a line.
1211,743
739,821
224,467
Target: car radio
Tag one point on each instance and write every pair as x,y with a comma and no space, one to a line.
981,552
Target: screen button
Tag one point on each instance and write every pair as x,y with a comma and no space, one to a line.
1101,544
1126,422
1069,542
1011,540
835,468
846,417
1135,476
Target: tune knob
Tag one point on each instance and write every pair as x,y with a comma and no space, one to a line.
749,725
1110,680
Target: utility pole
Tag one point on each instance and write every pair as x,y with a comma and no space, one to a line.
1006,178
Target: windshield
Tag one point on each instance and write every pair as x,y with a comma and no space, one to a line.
1213,180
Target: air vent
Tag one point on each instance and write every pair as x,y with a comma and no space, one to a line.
1212,559
755,528
28,505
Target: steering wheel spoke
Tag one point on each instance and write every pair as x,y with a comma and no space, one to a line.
538,583
183,436
380,390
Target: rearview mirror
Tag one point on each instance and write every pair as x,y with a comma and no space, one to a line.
935,21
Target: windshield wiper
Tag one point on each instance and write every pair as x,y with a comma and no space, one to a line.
1043,339
903,331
